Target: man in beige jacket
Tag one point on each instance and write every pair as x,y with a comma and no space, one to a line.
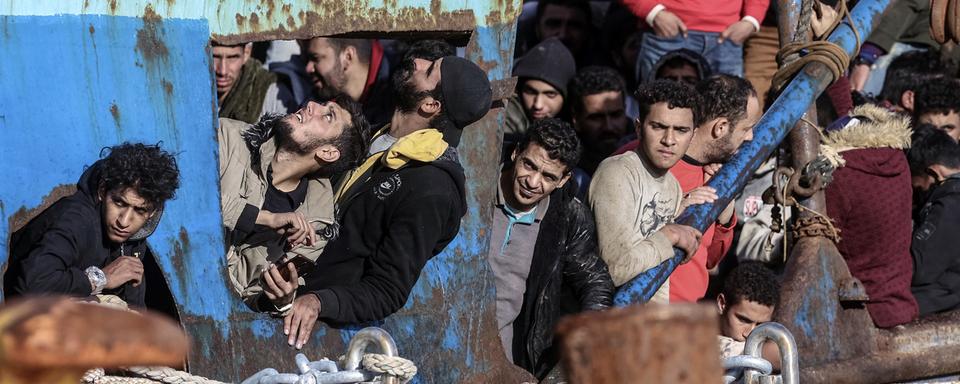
633,196
275,192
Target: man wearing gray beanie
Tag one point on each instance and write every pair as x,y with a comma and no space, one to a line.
543,74
398,209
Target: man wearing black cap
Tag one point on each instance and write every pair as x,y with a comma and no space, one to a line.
543,74
401,207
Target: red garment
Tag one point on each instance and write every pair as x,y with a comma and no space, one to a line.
869,201
703,15
376,56
688,283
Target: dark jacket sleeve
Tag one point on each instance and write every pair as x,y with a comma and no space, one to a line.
583,267
51,264
416,227
934,241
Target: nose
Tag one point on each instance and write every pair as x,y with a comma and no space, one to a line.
124,218
311,68
537,102
219,67
749,135
534,180
669,138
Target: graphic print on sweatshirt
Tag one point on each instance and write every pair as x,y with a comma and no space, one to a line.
656,213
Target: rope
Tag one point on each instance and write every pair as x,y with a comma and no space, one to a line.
833,56
147,375
391,365
944,23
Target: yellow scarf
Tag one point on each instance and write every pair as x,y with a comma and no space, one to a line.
425,145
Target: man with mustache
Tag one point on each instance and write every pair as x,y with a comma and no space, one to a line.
245,90
597,103
92,242
275,192
628,188
400,208
355,67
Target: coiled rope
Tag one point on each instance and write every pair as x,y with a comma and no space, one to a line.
945,20
793,56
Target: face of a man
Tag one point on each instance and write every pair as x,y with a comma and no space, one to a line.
535,176
227,64
727,146
565,23
602,122
738,320
324,67
312,126
540,99
685,73
124,213
922,182
949,122
665,135
414,82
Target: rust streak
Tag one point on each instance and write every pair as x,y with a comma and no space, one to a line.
148,38
23,215
167,87
115,112
113,7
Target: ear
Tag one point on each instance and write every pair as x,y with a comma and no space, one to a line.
721,303
347,57
637,127
430,105
247,52
720,127
327,153
101,192
566,177
514,154
906,100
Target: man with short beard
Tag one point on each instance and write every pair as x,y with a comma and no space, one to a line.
276,198
245,90
355,67
401,207
730,109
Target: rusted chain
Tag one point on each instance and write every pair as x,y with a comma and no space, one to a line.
817,225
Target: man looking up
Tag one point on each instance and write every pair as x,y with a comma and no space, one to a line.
541,89
401,207
355,67
542,239
599,113
635,199
275,192
92,242
245,90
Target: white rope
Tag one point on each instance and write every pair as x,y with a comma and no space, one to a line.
391,365
148,375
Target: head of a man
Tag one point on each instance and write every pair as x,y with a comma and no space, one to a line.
544,72
682,65
730,108
933,157
228,61
333,133
597,102
428,49
750,294
567,20
542,162
906,74
135,182
669,113
938,103
447,94
337,65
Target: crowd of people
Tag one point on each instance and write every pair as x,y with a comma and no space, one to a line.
340,178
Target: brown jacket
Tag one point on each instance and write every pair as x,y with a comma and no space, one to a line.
242,184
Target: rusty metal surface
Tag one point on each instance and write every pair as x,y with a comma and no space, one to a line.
101,72
642,344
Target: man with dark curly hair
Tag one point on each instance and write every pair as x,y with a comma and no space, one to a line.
598,106
750,294
275,193
92,242
635,199
938,104
543,238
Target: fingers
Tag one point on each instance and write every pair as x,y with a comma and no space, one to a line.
292,269
287,323
270,285
294,316
683,28
307,321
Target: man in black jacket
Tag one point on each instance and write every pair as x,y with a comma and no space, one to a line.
401,207
91,242
935,167
543,239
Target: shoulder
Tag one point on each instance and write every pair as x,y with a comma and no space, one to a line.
619,166
231,128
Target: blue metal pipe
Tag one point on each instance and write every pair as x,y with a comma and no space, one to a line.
768,133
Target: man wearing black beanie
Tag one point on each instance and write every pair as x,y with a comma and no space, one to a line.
400,208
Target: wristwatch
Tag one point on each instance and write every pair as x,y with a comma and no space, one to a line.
98,279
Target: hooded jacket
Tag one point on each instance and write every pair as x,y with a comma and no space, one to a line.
700,63
870,200
51,253
399,209
936,281
245,155
567,272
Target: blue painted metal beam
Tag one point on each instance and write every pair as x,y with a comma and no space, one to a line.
768,133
